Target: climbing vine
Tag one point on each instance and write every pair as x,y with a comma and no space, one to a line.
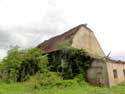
70,62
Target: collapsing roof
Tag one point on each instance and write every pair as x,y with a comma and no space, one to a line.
80,37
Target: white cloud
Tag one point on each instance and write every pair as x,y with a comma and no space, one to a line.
28,22
2,53
21,12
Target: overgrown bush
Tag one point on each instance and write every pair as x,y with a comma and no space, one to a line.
70,62
44,79
64,64
20,64
49,79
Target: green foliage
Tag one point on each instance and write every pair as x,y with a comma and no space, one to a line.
66,64
28,88
20,64
44,79
65,83
79,78
70,62
50,79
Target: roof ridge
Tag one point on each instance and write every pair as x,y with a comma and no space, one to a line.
68,32
64,36
75,29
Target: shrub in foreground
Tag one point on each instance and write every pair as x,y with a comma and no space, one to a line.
50,79
20,64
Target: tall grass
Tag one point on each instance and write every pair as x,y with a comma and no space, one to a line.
74,88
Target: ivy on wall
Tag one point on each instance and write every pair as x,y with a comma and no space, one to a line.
70,62
19,65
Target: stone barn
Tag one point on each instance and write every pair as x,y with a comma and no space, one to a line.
103,70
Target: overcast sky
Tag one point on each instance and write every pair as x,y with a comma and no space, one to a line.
27,23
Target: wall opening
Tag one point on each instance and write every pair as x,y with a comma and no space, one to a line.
115,73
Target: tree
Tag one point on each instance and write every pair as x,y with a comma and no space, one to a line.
20,64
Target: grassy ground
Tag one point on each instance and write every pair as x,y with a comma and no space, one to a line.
26,88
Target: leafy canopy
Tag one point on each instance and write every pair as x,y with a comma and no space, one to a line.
20,64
